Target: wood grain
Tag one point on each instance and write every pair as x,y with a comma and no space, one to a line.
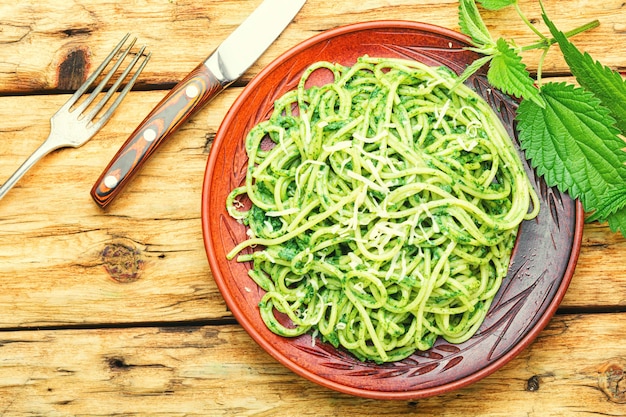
57,248
215,371
39,36
53,236
98,307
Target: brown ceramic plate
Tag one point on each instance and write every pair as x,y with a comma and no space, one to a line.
541,268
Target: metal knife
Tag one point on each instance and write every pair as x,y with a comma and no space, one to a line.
224,66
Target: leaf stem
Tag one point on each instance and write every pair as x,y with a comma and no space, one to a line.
532,27
540,67
547,42
588,26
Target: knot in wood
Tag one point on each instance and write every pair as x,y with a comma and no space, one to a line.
533,383
117,364
122,262
73,69
612,381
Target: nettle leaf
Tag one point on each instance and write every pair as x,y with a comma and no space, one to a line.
496,4
572,143
472,24
508,73
617,221
605,83
473,67
614,200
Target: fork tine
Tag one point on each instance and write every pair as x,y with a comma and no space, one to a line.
81,90
69,127
98,107
80,108
107,115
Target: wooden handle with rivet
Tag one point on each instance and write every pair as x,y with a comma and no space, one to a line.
187,97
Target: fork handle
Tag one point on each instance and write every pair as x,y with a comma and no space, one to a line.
44,149
186,98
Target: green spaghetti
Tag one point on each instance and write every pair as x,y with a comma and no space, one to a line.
384,212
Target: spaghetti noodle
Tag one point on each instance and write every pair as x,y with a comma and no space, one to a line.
384,212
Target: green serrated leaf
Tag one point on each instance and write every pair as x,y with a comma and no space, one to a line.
496,4
614,200
617,222
572,143
508,73
472,24
605,83
612,209
473,67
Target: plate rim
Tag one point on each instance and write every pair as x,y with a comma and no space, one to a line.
249,327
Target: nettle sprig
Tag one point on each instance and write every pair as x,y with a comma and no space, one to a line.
572,134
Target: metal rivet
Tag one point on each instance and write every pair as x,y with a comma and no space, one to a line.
110,181
192,91
149,135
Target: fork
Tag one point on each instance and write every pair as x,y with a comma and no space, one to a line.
75,123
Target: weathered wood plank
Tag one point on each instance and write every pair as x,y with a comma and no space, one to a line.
216,371
600,277
68,262
58,44
64,262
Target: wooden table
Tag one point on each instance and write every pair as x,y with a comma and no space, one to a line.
116,312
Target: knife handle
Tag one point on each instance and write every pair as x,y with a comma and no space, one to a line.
187,97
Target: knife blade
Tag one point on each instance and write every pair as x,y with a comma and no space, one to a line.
223,67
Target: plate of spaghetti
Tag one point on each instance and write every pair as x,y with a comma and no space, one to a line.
371,221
